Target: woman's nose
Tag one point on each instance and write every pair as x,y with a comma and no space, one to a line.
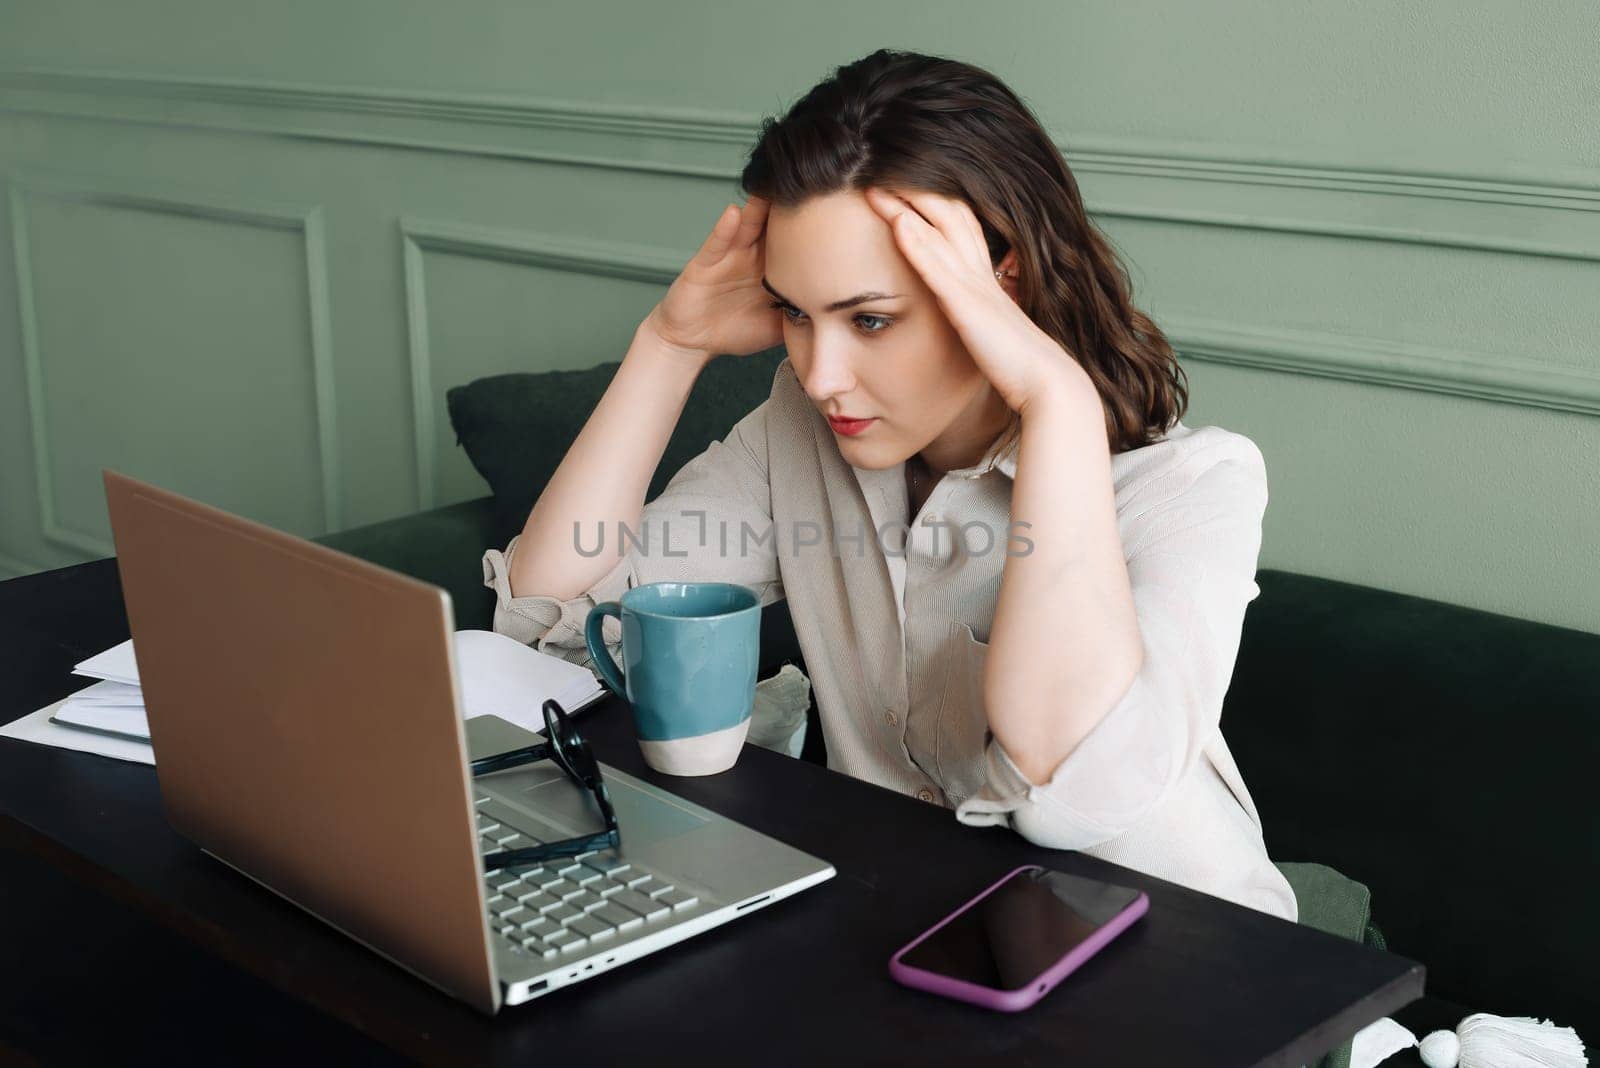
829,374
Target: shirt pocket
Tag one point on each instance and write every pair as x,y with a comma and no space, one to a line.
962,732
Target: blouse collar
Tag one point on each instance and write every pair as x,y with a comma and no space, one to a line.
996,457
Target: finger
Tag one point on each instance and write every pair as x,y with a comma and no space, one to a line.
939,265
955,220
720,237
752,221
928,244
892,202
938,253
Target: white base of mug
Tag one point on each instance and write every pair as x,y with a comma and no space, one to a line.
704,754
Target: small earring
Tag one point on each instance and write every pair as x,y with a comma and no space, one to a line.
999,274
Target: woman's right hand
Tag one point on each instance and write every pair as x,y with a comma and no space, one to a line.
717,305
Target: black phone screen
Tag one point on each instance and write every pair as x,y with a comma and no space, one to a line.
1013,934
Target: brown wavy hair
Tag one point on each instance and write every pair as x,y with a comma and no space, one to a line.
906,120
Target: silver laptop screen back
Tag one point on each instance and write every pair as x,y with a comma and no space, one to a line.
303,710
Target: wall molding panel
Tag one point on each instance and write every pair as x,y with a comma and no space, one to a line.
1547,214
491,124
1383,362
304,220
629,263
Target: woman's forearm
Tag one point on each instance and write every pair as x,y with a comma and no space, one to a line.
605,474
1064,622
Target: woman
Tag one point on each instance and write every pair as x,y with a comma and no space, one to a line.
1018,580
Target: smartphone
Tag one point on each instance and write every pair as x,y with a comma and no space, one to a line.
1007,947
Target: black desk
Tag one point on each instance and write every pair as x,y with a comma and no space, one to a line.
1198,981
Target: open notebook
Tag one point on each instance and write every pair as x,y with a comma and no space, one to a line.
499,675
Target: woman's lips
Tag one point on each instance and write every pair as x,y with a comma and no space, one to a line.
850,427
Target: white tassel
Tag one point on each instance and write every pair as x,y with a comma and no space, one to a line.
1483,1040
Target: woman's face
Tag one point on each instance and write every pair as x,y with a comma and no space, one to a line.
893,358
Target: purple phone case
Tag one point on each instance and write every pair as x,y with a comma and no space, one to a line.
1022,997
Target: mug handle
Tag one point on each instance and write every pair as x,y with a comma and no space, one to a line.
604,662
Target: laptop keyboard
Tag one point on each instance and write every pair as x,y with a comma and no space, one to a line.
568,903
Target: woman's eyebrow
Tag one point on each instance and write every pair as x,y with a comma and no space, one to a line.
838,305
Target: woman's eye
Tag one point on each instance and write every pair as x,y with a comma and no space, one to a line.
875,324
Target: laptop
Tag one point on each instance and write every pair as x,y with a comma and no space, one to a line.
305,715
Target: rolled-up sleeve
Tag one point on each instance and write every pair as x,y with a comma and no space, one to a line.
1192,565
690,532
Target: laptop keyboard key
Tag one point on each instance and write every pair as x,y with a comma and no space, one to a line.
541,902
564,913
649,908
540,949
540,926
607,862
564,939
678,899
592,927
586,901
564,889
652,887
619,918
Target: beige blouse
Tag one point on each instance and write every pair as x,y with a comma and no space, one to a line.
894,641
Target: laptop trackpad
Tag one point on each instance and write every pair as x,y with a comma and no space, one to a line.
640,816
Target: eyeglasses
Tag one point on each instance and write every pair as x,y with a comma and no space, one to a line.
569,750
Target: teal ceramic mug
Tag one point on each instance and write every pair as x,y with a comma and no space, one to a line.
689,657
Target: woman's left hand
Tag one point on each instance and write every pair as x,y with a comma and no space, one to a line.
942,239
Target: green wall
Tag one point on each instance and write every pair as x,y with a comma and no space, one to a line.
248,249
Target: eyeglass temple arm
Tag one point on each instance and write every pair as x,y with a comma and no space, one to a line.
514,758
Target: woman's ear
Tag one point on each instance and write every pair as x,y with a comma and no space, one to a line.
1007,272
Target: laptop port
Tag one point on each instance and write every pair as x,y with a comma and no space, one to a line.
755,901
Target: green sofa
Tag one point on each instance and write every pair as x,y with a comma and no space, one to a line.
1427,761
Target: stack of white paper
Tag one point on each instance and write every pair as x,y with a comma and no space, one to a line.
498,675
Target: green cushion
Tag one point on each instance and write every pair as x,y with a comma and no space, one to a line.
516,428
1331,902
1328,900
